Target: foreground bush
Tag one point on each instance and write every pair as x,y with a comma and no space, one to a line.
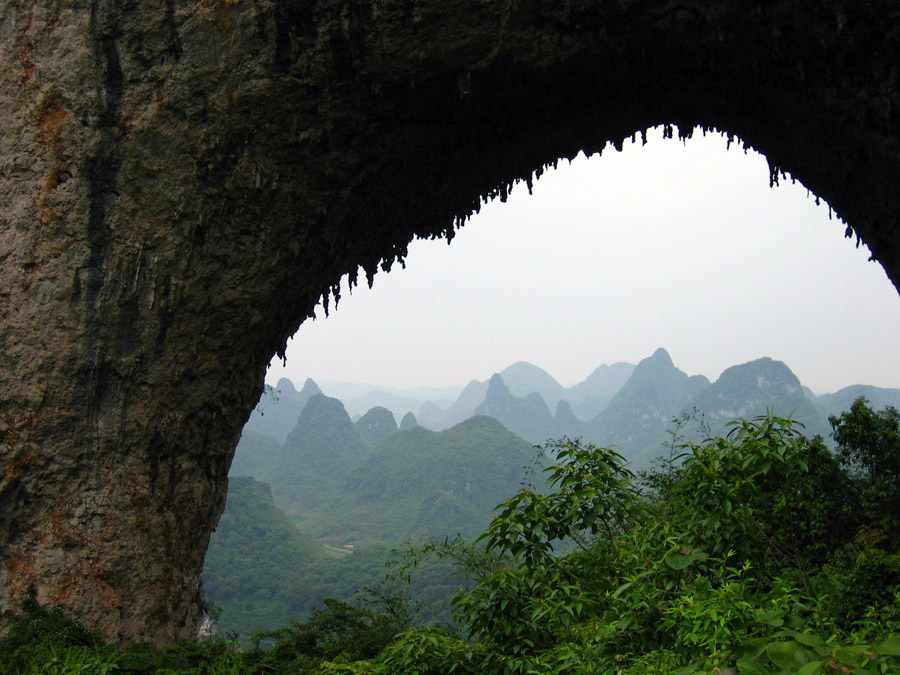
758,552
45,640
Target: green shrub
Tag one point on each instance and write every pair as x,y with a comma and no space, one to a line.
34,624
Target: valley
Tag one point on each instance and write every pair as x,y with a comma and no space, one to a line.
325,495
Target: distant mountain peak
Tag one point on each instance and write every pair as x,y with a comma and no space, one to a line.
464,406
755,388
473,384
277,411
409,421
479,422
658,363
660,356
285,386
565,422
420,483
523,368
321,448
527,416
376,425
498,397
639,412
603,371
765,373
496,387
322,402
378,416
524,378
310,388
564,409
323,424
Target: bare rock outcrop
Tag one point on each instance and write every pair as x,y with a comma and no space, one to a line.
181,180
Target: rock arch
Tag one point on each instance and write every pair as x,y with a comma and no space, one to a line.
181,180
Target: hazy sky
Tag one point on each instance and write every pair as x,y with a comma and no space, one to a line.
682,246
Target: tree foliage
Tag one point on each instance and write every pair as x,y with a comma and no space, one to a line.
748,555
868,445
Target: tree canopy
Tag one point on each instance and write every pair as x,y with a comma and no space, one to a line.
749,553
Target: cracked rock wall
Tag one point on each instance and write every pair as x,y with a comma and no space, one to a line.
181,180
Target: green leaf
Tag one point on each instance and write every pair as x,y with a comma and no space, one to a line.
678,561
810,639
785,655
621,589
890,646
811,667
750,667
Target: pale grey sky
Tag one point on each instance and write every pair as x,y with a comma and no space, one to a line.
682,246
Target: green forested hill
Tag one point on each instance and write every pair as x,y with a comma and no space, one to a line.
254,554
636,419
639,416
750,389
316,457
255,455
419,482
262,572
376,425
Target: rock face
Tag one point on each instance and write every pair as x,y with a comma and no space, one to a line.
181,180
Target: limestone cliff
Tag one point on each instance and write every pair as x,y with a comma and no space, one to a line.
181,180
